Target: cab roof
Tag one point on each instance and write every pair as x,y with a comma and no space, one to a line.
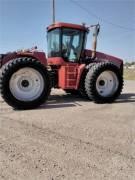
67,25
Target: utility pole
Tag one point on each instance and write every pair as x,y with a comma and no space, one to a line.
53,11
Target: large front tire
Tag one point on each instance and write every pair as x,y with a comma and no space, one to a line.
24,83
103,82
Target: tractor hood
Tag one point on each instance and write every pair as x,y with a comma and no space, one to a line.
104,57
41,56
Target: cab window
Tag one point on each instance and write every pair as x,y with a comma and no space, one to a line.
72,41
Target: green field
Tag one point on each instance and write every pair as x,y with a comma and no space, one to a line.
129,74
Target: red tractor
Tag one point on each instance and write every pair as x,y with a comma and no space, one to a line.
27,76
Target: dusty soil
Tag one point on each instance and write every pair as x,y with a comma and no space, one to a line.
69,139
129,74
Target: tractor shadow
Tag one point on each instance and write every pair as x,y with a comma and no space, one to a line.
68,100
126,98
62,101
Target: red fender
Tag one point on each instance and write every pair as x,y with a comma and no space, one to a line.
40,56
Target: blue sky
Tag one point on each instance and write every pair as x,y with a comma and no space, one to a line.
23,23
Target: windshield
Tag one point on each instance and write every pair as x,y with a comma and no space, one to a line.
66,43
54,43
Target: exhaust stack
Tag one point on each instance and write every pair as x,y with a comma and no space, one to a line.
95,35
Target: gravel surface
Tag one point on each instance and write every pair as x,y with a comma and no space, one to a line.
69,138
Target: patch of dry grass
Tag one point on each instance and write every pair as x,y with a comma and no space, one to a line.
129,74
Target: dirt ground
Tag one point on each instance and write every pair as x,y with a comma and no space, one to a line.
69,139
129,74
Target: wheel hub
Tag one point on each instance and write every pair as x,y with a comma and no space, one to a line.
25,83
101,82
107,83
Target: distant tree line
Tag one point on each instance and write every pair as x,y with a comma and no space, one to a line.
129,63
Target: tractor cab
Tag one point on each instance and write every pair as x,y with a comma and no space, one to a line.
65,42
65,45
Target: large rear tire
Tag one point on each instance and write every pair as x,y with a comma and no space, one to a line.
103,82
24,83
82,89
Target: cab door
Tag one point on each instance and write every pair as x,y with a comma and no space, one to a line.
72,40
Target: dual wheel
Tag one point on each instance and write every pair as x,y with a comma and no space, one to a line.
101,83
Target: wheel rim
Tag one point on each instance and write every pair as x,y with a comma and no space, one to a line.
26,84
107,83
